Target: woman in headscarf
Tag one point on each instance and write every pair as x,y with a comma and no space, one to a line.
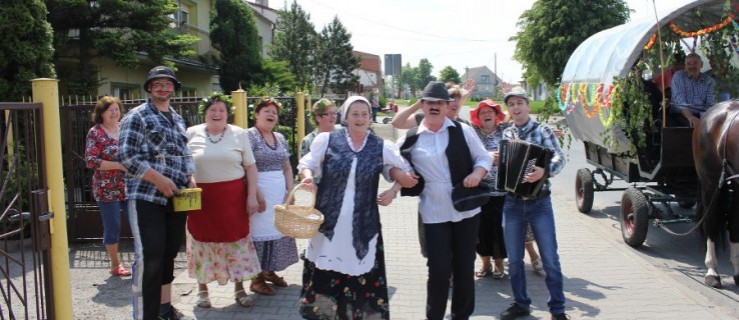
344,268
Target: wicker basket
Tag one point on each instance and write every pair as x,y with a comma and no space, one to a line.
301,222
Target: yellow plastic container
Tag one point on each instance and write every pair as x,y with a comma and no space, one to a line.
187,199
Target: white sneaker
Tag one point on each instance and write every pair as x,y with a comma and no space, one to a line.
537,265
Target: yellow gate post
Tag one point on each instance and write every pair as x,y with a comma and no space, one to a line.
241,116
46,91
301,120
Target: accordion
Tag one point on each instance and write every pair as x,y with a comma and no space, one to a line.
515,160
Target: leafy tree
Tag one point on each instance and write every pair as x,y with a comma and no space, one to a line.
334,61
408,75
234,34
116,29
552,29
449,74
293,43
20,59
277,73
424,73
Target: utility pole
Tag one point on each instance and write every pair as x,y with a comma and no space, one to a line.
495,75
495,68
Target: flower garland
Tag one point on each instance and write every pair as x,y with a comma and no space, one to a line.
583,97
590,96
703,31
562,98
612,112
650,44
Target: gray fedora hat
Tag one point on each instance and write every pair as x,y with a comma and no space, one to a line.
161,72
435,91
516,91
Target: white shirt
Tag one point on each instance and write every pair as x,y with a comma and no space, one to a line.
430,161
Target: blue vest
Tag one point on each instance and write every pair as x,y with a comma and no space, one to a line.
336,168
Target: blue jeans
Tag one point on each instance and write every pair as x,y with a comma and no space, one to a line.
110,212
517,213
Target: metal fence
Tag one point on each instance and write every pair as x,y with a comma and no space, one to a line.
25,270
84,221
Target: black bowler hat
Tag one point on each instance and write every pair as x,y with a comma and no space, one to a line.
435,91
161,72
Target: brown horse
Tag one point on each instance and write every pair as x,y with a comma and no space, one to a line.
716,155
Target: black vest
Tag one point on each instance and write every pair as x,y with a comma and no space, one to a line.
457,154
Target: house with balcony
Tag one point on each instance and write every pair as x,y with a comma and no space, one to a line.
197,73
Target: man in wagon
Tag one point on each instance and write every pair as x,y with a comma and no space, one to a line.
692,92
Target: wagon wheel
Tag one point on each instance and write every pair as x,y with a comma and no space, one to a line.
584,190
634,217
687,204
386,120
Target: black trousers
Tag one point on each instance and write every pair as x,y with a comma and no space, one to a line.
492,243
451,252
158,232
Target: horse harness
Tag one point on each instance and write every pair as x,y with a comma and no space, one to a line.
725,165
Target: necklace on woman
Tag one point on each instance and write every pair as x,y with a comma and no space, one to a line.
274,140
487,133
219,138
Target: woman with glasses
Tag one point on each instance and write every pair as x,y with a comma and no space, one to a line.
324,115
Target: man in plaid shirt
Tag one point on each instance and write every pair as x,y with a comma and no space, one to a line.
692,92
518,213
153,148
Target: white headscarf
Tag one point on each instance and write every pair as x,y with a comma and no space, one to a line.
348,102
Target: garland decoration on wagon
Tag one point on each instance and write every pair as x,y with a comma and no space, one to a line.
725,22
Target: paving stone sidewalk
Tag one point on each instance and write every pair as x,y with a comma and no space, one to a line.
604,279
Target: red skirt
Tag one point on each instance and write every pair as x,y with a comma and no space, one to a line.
223,217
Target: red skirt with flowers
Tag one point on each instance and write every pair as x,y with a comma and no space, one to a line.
329,294
223,217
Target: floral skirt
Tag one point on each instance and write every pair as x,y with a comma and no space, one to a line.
329,294
222,261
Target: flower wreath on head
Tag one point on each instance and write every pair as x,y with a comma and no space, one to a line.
267,101
215,96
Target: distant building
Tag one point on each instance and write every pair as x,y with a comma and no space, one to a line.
266,19
487,82
370,76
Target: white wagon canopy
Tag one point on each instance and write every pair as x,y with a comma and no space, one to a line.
588,84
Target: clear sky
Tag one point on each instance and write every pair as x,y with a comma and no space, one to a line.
457,33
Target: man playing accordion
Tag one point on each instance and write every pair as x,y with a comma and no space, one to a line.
537,211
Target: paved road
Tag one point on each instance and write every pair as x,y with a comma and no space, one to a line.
604,278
